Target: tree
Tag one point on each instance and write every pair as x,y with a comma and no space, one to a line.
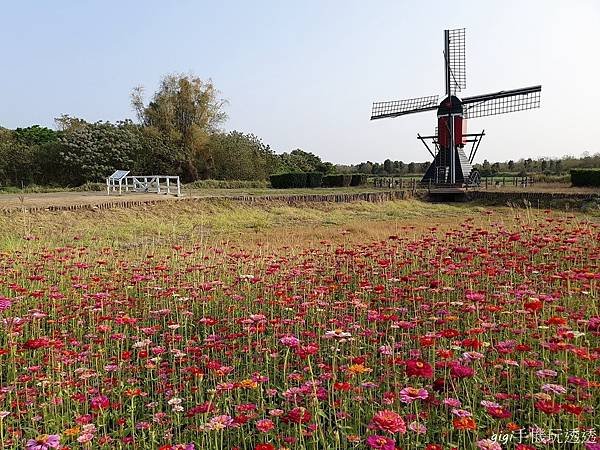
511,165
35,135
411,167
94,151
187,111
301,161
388,166
240,156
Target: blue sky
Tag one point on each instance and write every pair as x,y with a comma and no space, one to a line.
304,74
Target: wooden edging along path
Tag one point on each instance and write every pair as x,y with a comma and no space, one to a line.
372,197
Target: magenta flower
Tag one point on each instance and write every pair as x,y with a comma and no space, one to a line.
4,303
381,442
43,442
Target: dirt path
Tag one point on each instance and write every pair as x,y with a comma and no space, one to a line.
95,199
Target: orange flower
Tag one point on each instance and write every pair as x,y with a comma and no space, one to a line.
248,384
356,369
464,423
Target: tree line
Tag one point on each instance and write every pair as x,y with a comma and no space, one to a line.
178,133
528,166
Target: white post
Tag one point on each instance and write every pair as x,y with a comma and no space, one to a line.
168,186
120,185
107,186
178,187
157,184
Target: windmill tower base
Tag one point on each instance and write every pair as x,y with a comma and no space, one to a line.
439,170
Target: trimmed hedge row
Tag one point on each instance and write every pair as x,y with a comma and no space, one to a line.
338,180
315,179
585,177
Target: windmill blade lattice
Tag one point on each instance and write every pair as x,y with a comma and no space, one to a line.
502,102
397,108
456,60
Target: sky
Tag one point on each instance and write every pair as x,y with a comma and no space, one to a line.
304,74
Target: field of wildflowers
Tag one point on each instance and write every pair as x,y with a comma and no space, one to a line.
479,332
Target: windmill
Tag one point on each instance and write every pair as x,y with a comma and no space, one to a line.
451,165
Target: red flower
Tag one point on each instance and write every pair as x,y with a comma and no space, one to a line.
498,413
264,447
100,402
418,368
297,415
548,406
390,421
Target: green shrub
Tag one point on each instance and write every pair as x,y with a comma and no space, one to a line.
289,180
227,184
585,177
337,180
358,179
314,179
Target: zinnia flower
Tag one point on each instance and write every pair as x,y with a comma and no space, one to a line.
387,420
410,394
418,368
381,442
43,442
488,444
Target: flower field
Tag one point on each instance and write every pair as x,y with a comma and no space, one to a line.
476,334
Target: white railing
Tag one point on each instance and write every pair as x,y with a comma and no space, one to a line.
159,184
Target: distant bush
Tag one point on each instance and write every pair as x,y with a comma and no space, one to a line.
289,180
358,179
314,179
585,177
550,178
228,184
337,180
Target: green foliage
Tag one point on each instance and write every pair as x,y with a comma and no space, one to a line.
93,152
585,177
239,156
301,161
156,154
228,184
35,135
289,180
337,180
186,110
314,179
358,179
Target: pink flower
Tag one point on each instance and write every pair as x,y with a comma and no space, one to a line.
43,442
381,442
4,303
265,425
452,402
488,444
290,341
410,394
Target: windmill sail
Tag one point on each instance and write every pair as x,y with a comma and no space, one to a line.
456,60
382,110
502,102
